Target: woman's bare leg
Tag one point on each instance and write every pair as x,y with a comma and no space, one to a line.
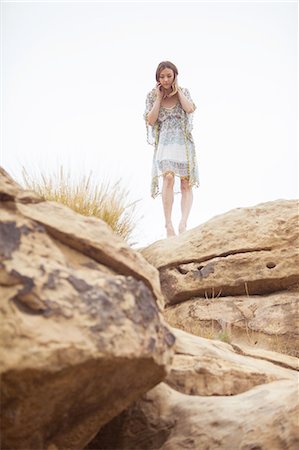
186,203
167,199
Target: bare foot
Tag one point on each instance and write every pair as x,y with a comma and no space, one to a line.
170,230
182,227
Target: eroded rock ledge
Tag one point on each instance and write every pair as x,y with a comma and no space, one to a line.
246,251
88,361
80,316
212,398
235,277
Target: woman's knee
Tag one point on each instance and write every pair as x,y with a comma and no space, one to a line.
168,178
185,185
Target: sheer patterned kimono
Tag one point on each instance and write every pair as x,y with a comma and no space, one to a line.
174,149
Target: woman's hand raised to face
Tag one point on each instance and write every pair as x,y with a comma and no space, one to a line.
159,91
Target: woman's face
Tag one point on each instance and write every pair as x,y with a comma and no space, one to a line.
166,78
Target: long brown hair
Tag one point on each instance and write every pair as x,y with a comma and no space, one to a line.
166,65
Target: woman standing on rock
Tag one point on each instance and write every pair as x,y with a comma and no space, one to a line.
168,116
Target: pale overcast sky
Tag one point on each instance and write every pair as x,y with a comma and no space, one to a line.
74,77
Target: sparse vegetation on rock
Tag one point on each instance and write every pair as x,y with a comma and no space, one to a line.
189,343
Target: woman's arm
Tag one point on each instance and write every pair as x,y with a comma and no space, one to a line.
187,105
154,112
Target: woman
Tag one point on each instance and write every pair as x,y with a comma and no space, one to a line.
168,117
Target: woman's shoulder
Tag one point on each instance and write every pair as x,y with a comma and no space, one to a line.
152,93
184,89
187,94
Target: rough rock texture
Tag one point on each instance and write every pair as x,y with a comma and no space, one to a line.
84,346
213,398
236,276
263,418
268,321
88,235
79,318
246,251
211,367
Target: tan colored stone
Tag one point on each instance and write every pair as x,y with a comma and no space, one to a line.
89,235
268,321
280,359
246,251
74,330
219,399
208,367
9,189
94,238
266,417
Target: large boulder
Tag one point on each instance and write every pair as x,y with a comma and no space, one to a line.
213,398
245,251
80,320
265,417
236,276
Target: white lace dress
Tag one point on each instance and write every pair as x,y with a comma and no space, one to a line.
174,146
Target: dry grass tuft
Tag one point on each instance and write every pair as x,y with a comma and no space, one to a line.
107,201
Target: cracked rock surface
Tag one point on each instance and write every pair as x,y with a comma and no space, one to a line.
236,276
264,321
87,360
215,397
264,417
244,251
80,319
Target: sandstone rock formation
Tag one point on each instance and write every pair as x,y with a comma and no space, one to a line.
263,418
236,276
210,367
213,398
267,321
88,361
79,318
